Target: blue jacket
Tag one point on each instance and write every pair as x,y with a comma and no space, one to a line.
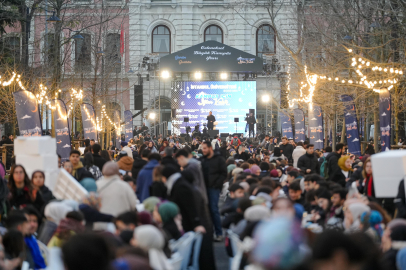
144,180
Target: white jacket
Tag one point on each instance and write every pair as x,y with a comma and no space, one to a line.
213,143
297,153
116,195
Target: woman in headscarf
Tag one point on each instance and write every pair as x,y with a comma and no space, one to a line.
38,180
90,207
393,239
167,214
352,216
151,147
255,170
69,226
342,175
22,192
150,203
149,238
164,145
54,212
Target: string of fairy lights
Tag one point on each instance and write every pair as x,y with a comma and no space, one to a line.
76,97
359,63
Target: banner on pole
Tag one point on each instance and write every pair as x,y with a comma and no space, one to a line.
351,125
316,127
286,124
128,117
28,117
385,118
117,131
89,121
300,135
62,130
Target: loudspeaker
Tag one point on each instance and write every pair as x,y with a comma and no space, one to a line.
213,133
252,111
236,120
182,135
186,119
138,97
173,113
224,134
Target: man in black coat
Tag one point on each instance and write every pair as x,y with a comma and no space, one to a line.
210,121
215,173
332,160
168,158
139,163
308,163
287,149
251,121
97,159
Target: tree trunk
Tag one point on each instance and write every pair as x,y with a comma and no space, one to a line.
333,132
343,132
376,124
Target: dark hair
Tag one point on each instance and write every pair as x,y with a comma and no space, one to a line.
75,215
310,196
27,183
87,252
284,137
155,156
88,160
293,173
32,211
339,146
313,178
264,189
13,242
299,144
74,152
230,161
244,204
207,143
182,152
235,187
92,140
342,192
41,172
145,153
130,217
245,165
276,152
309,145
252,180
128,178
328,149
251,161
15,218
105,155
96,148
295,185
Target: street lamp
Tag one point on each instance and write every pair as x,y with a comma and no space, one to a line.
77,35
347,38
165,74
53,18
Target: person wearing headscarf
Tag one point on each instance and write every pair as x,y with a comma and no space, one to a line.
393,240
90,207
352,216
168,214
149,238
255,170
89,184
54,212
145,218
342,175
150,203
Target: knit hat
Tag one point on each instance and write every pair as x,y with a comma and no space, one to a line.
110,168
123,143
125,163
230,168
341,163
274,173
168,211
144,218
255,169
247,171
89,184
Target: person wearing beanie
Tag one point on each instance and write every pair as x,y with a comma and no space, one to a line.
125,163
125,148
116,195
343,175
274,175
255,170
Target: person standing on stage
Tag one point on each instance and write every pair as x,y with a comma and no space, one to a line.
251,121
210,121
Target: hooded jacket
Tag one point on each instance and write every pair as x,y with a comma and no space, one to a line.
297,153
144,180
125,163
332,162
138,164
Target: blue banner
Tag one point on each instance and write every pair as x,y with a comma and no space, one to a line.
89,121
117,131
316,135
28,117
299,125
128,117
351,125
62,130
286,125
385,118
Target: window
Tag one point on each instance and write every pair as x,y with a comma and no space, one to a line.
11,47
112,56
83,59
213,32
49,49
161,40
265,40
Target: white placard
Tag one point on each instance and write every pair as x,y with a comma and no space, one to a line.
67,187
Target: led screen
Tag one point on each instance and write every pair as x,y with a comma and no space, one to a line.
226,99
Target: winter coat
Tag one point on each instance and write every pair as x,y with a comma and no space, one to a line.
46,194
287,151
20,198
116,195
195,167
170,160
332,162
400,200
92,215
98,161
95,171
144,180
308,161
297,153
339,177
138,164
214,171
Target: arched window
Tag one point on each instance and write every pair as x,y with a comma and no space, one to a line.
265,40
213,32
161,40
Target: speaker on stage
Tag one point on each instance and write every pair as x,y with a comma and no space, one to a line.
213,133
236,120
173,113
186,119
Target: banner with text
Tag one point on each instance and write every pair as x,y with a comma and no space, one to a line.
62,130
117,131
89,121
128,117
385,118
351,125
300,135
286,125
28,117
316,135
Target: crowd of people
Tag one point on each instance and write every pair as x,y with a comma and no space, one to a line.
285,204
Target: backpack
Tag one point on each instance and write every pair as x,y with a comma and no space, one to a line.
217,147
235,142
